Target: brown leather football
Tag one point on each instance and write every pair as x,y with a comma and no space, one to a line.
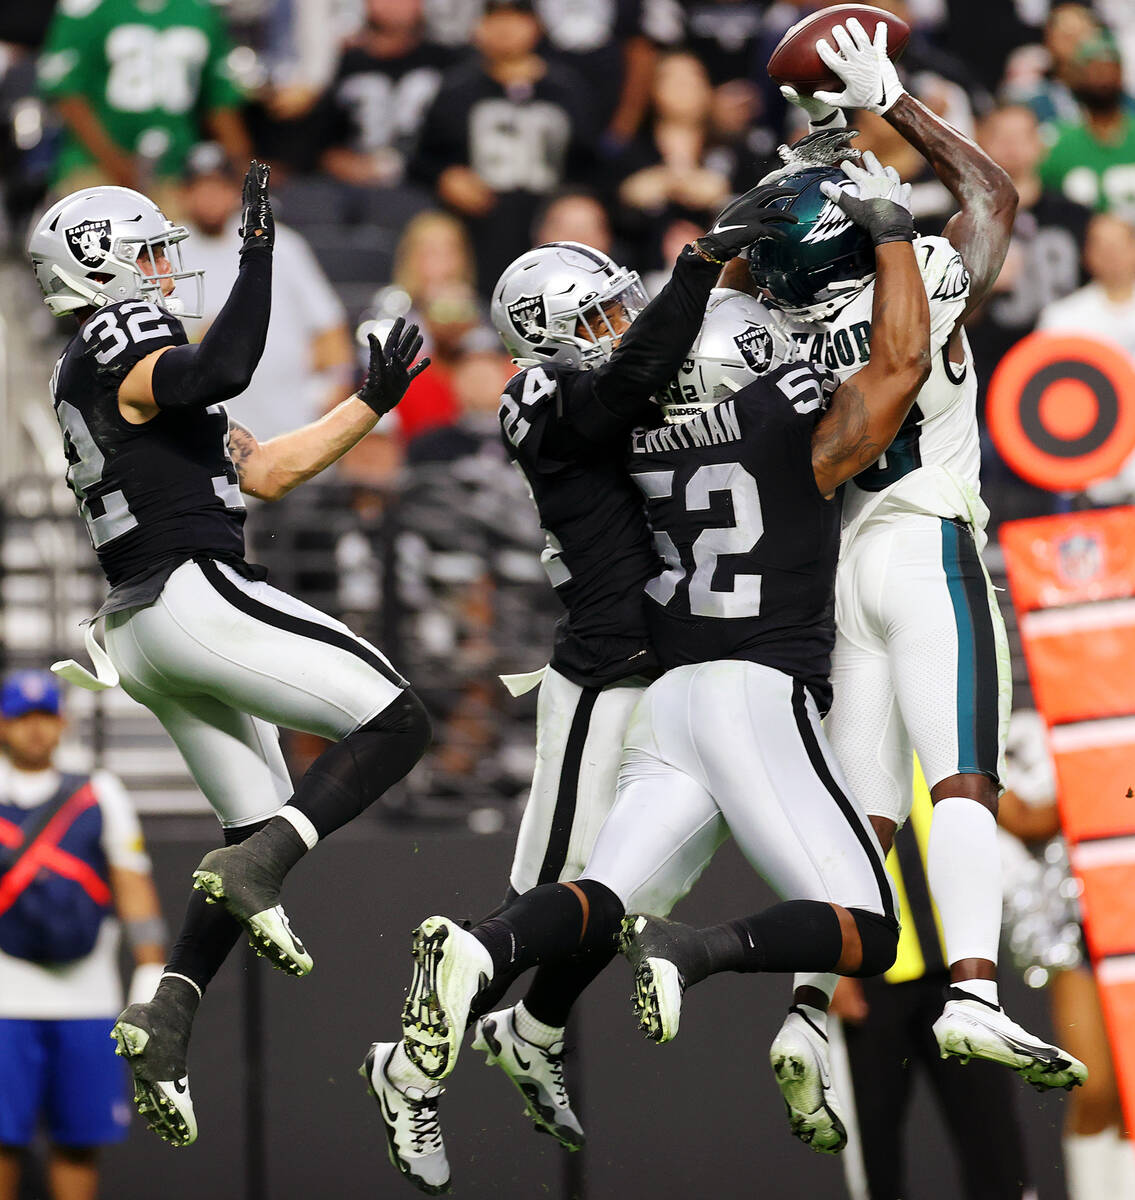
795,61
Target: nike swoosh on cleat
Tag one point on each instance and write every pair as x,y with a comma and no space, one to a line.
524,1066
388,1114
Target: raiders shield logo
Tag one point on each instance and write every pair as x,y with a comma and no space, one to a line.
528,316
755,344
89,242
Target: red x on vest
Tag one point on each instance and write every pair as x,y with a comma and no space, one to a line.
45,853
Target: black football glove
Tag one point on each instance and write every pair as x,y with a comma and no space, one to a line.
748,219
884,220
390,373
256,225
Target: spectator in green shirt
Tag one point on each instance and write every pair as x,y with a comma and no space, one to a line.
1093,163
138,83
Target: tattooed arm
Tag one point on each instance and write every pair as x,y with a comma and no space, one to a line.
868,408
980,232
269,470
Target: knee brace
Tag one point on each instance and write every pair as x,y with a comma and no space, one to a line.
879,937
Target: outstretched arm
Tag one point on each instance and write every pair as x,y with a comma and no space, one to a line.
980,232
221,365
868,408
269,470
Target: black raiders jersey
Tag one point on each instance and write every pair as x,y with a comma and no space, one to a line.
598,554
152,495
749,544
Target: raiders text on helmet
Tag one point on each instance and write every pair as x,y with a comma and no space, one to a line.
85,252
558,302
822,262
736,343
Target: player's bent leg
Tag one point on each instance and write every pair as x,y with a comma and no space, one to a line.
340,784
410,1117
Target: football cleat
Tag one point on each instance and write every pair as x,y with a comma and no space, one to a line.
656,949
413,1134
233,877
971,1028
537,1072
153,1038
799,1058
450,968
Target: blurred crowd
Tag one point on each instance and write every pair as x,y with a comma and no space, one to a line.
419,145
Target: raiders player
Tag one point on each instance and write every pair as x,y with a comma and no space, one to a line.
192,631
742,501
594,357
921,661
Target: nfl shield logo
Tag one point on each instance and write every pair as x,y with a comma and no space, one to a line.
89,242
527,315
755,345
1080,557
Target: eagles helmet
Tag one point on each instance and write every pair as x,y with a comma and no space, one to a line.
558,301
821,263
736,343
85,250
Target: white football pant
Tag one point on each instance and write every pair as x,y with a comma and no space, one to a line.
221,661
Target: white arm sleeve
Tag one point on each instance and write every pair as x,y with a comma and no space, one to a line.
121,830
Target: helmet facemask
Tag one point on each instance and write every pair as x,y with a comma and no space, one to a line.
152,251
602,323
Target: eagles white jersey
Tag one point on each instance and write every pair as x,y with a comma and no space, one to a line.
932,467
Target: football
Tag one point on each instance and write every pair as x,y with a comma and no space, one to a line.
796,62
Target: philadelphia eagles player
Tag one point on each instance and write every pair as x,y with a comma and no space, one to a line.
193,632
921,660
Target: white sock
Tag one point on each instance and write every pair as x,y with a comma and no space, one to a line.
301,823
536,1032
983,989
404,1074
963,866
1089,1165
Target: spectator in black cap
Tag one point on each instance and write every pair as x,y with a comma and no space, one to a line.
502,134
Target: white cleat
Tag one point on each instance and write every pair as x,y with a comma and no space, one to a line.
413,1133
537,1072
970,1028
799,1058
651,946
450,968
157,1065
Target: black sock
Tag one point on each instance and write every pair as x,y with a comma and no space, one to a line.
555,988
208,933
550,923
797,935
351,775
277,846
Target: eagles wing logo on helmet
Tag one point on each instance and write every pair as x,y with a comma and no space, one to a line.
755,344
89,242
831,222
528,316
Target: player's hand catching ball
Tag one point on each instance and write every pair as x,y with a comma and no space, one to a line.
746,220
882,206
820,115
257,227
870,78
392,367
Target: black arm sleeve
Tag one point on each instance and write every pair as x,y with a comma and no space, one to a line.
650,353
220,366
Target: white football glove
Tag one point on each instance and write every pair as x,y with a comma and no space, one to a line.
820,115
869,76
873,181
